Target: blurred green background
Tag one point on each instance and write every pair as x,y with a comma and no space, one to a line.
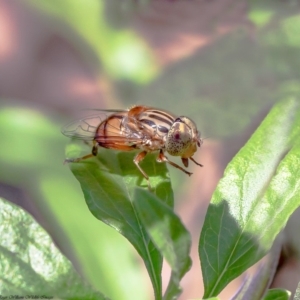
221,64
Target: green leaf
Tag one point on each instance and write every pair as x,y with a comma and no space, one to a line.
31,131
168,234
30,263
108,182
254,199
277,294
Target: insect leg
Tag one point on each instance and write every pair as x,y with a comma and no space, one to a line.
162,158
195,162
138,158
94,153
185,161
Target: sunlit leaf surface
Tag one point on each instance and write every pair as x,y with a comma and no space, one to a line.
30,263
252,203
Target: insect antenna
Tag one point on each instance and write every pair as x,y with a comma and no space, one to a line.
104,110
205,138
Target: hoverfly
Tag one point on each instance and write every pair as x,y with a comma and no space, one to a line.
141,128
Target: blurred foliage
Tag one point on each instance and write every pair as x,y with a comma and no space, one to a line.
226,84
121,52
228,81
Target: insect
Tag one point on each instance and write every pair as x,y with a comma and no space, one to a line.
141,128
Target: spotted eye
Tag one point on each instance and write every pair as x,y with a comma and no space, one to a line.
179,139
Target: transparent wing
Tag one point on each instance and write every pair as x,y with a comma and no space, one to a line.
85,128
120,130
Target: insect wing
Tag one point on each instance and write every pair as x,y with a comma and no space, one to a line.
83,129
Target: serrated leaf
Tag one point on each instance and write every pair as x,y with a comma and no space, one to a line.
108,182
277,294
30,263
168,234
253,201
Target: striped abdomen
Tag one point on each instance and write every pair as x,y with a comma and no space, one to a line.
112,134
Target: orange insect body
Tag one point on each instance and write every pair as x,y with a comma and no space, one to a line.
145,128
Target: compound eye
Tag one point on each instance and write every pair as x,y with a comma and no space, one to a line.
179,139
